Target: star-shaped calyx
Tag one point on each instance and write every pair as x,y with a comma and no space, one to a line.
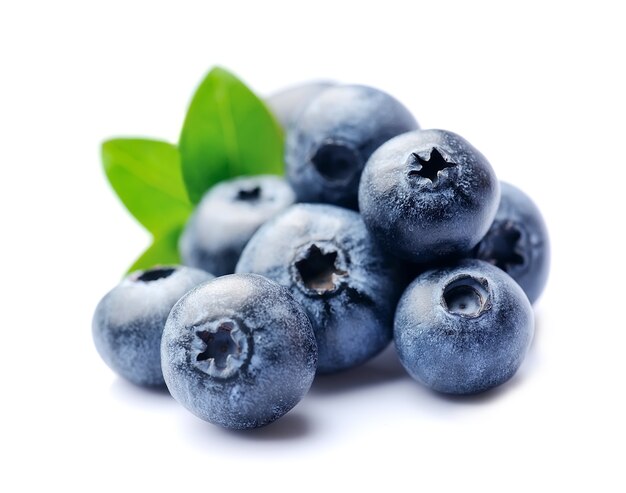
509,255
221,348
502,246
429,168
319,271
219,345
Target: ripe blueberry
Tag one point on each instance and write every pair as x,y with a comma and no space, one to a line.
129,320
347,285
428,195
463,329
518,242
227,217
238,351
334,136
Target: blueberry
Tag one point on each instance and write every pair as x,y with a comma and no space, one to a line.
238,351
518,242
129,320
348,287
227,217
334,136
428,195
289,103
463,329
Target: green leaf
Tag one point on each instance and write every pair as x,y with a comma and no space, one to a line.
163,251
228,132
146,174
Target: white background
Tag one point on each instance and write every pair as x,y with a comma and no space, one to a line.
537,87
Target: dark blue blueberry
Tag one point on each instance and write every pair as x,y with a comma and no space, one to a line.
463,329
347,285
227,217
129,320
428,195
333,138
289,103
518,242
238,351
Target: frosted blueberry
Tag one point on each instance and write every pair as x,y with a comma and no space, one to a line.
463,329
428,195
238,351
518,241
333,137
348,286
129,320
227,217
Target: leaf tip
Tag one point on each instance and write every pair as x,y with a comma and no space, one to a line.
220,71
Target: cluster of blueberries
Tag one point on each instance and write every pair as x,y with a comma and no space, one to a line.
380,231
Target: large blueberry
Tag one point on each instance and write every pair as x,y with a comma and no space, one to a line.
334,136
238,351
428,195
227,217
348,286
290,102
463,329
129,320
518,242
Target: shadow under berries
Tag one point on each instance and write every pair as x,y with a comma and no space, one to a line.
384,368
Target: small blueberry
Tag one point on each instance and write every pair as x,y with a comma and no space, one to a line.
129,320
333,137
226,218
463,329
518,242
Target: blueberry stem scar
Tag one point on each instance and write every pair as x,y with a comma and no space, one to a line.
337,162
501,246
466,296
249,194
318,270
219,345
429,168
156,274
222,348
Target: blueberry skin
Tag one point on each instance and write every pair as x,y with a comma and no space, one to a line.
128,322
238,351
518,242
334,136
330,264
290,102
226,218
428,195
463,329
